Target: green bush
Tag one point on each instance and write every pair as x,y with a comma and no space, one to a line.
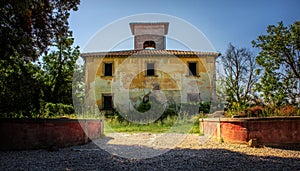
183,124
193,108
172,110
238,110
204,107
52,110
144,107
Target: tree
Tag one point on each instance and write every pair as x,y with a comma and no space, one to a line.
239,74
58,68
280,60
78,87
28,27
21,88
27,30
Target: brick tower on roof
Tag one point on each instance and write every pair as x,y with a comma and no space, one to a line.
149,35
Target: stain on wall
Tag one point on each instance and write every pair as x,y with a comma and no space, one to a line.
129,77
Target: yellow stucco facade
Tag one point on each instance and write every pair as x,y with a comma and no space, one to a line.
129,80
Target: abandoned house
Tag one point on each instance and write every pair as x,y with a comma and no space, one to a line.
121,79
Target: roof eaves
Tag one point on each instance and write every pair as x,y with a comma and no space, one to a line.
150,53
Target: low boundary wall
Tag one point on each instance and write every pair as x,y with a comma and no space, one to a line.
23,134
277,131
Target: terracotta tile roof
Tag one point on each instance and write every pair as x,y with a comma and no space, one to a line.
147,53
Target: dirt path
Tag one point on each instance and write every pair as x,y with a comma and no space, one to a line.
147,145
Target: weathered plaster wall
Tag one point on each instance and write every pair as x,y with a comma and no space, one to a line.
129,80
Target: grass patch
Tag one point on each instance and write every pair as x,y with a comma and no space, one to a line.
134,128
170,124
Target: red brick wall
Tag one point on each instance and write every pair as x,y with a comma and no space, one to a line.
278,131
234,131
267,131
209,127
17,134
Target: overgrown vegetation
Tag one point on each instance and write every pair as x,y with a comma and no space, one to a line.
238,110
176,118
279,58
54,110
172,110
239,74
273,76
177,124
37,58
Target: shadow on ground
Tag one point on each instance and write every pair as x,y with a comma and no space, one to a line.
291,147
91,157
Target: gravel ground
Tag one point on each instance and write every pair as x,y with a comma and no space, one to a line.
190,154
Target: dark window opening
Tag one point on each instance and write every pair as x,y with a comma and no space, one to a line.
107,102
193,97
150,69
193,68
108,68
149,45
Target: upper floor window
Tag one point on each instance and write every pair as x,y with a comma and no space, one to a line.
108,69
149,45
192,68
150,69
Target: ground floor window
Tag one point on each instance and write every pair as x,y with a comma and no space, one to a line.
107,102
193,97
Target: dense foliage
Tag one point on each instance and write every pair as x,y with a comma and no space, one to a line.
57,71
279,57
56,109
279,66
170,111
29,29
21,87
